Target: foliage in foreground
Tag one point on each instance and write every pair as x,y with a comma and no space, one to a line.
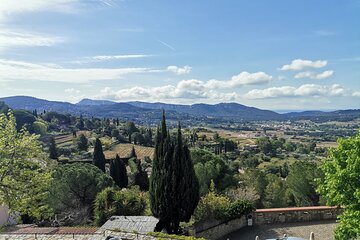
220,207
24,178
341,185
115,202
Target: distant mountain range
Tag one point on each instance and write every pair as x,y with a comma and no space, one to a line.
150,112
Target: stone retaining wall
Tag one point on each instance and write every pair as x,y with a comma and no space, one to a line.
300,214
216,229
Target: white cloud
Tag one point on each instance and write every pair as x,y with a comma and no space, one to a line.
101,58
9,7
188,89
306,90
10,39
17,70
244,78
179,70
72,91
356,94
166,93
313,75
299,64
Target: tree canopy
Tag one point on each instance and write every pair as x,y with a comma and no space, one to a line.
75,186
341,185
23,174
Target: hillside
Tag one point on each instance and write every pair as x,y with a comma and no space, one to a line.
148,113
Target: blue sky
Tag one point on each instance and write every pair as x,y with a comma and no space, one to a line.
270,54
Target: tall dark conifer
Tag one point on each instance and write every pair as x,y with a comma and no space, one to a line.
133,153
99,157
53,149
118,172
174,188
141,177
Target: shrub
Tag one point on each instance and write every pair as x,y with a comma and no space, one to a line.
112,201
219,207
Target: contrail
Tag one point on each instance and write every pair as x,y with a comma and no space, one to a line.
167,45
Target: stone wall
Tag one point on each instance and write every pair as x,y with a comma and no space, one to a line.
300,214
216,229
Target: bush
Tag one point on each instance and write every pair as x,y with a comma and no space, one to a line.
219,207
112,201
66,151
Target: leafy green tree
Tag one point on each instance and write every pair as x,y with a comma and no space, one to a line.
74,189
118,172
115,133
40,127
341,185
266,146
3,108
83,143
24,177
275,192
24,119
256,179
174,188
301,183
112,202
209,166
99,157
53,149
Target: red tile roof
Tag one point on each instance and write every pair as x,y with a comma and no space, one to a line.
32,229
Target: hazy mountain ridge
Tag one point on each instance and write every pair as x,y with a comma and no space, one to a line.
144,111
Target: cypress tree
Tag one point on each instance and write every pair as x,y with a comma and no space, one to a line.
133,153
99,158
118,172
141,177
80,123
83,143
174,188
53,149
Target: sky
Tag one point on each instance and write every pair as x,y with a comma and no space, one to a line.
278,55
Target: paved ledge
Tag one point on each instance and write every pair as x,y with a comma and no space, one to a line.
323,230
296,209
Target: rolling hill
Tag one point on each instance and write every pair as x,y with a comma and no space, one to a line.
144,112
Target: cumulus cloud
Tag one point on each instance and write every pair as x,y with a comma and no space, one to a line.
244,78
18,70
313,75
356,94
167,92
306,90
72,91
179,70
300,64
189,89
